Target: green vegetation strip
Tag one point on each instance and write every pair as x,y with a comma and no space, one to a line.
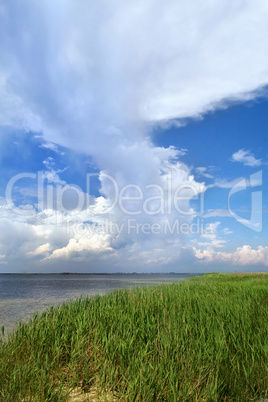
204,339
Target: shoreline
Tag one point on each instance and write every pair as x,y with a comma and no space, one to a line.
171,341
24,295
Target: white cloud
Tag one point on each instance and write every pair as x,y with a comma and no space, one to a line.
86,79
40,250
227,231
81,246
52,147
59,230
242,256
49,162
85,90
51,239
98,77
223,183
202,171
212,213
52,176
245,157
211,229
209,236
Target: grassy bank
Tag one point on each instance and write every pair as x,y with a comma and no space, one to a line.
202,339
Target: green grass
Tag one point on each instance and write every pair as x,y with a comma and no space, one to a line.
204,339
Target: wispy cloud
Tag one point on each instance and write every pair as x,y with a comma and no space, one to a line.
202,171
49,163
212,213
245,157
238,183
227,231
223,183
52,147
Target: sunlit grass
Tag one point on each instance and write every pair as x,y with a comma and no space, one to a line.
202,339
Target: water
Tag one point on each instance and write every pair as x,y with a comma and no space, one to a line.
22,295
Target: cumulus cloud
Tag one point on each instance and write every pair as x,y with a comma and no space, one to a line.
51,238
90,68
82,246
245,255
40,250
98,77
245,157
105,73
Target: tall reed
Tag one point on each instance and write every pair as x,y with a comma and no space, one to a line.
202,339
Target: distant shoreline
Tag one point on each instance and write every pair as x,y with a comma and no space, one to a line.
101,273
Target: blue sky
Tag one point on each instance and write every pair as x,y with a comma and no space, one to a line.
128,145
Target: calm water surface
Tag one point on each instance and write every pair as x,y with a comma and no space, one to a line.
22,295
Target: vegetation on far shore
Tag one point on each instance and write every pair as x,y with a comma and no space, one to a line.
204,339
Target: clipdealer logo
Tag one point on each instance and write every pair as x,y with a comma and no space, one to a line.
255,220
133,226
132,200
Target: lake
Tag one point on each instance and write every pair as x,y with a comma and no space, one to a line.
23,294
